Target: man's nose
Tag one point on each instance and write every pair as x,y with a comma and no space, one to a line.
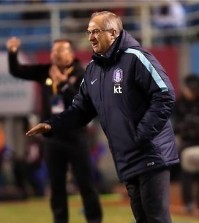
91,37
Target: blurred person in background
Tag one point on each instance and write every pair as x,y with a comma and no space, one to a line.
170,15
34,161
59,82
2,150
132,95
97,151
6,160
186,125
30,170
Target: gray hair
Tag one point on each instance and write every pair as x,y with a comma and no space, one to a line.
110,21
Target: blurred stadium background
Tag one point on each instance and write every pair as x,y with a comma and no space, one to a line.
38,23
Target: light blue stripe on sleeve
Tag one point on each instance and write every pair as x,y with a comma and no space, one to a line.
150,68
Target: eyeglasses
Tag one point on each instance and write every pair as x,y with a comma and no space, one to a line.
96,32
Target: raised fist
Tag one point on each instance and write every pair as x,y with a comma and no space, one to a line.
13,44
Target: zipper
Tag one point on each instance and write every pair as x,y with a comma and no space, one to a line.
101,85
102,90
102,93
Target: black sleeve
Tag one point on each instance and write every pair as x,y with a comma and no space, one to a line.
80,113
27,72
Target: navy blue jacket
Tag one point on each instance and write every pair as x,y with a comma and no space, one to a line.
132,95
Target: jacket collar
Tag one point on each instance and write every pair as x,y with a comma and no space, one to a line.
124,41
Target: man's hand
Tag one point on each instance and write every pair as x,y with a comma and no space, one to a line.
13,44
56,75
39,129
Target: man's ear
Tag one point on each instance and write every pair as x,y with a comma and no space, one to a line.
113,34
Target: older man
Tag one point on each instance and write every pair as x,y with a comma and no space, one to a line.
132,95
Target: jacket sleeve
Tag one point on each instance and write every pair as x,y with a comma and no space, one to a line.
27,72
76,116
152,79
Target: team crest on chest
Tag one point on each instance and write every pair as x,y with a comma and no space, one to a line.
118,75
117,80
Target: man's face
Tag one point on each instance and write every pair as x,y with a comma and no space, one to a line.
189,94
61,54
99,38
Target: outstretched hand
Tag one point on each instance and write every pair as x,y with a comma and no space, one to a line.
39,129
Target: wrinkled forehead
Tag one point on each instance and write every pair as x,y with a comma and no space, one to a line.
96,22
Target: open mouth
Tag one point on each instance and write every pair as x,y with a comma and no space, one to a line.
94,45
